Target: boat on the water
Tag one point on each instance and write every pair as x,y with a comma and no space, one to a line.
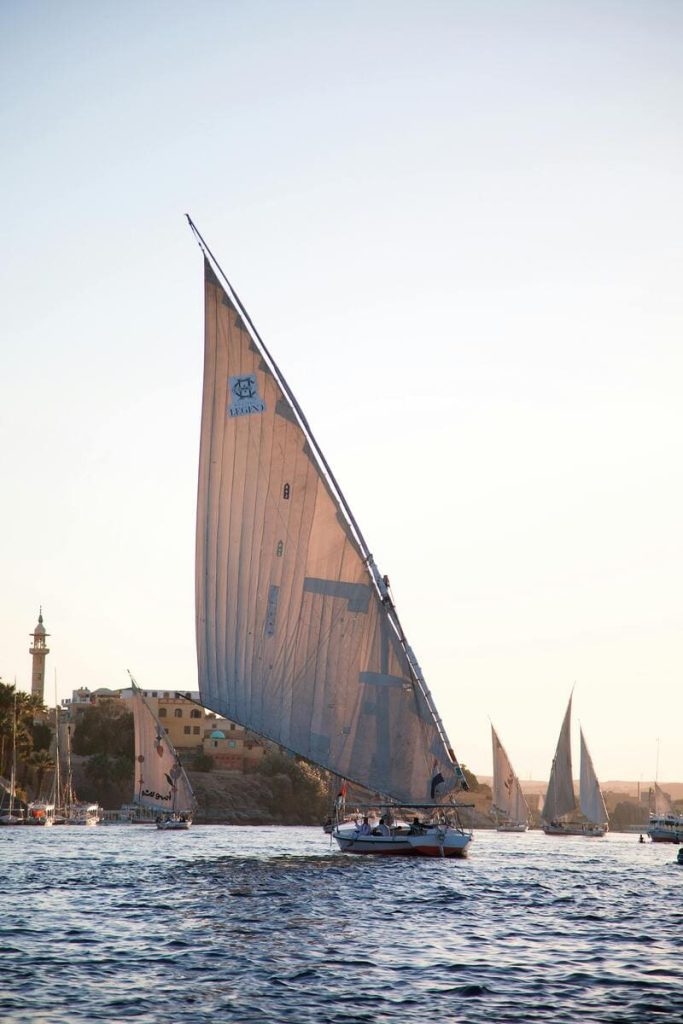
298,636
559,808
41,812
510,809
75,811
162,786
437,833
664,825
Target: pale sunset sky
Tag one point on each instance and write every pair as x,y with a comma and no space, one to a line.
458,227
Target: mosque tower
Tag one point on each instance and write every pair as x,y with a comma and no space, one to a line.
39,651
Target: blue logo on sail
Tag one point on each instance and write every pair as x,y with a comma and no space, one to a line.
244,397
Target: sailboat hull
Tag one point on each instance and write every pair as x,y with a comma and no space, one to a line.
512,826
665,828
174,824
587,831
432,843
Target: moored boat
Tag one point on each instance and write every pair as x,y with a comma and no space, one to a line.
664,825
41,812
666,828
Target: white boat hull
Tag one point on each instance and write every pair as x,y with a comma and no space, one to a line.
174,825
512,826
662,835
586,831
666,828
433,842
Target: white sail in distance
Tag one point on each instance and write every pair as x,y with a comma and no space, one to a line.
508,798
297,636
160,779
560,799
662,801
591,800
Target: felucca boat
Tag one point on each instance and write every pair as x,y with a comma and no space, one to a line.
163,788
510,809
559,808
298,638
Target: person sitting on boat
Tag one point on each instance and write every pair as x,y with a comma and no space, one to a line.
382,829
415,827
365,829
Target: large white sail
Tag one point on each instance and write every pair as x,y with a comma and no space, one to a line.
590,795
160,779
297,636
560,797
508,799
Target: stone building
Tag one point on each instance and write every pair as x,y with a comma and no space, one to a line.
189,726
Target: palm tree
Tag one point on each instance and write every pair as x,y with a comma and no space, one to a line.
41,761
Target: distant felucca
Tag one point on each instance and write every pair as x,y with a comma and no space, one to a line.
560,802
163,787
509,807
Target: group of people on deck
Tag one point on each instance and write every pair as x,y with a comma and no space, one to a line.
382,828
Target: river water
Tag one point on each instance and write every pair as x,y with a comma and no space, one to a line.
268,924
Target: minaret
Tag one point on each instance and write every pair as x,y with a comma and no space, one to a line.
39,651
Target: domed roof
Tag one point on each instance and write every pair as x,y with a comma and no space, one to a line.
217,734
40,628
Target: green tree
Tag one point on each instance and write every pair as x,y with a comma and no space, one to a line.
104,728
104,770
470,778
42,763
41,736
300,790
28,708
109,780
201,762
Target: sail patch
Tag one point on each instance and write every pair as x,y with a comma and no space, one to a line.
244,396
285,410
271,611
357,594
380,679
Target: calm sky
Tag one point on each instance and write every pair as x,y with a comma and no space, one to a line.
458,227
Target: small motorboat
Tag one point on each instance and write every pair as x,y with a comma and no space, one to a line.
440,835
174,822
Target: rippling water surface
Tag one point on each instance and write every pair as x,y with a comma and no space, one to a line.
273,924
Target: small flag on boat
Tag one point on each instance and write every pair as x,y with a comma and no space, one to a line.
341,795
